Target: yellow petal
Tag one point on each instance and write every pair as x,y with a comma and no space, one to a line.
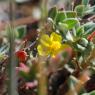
63,47
45,38
42,51
55,37
55,45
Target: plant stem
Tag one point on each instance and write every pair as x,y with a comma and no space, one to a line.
42,77
12,61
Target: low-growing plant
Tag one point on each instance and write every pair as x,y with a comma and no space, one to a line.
61,61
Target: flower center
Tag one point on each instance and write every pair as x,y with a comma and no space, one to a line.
55,46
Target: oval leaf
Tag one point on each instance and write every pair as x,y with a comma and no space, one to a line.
52,13
71,22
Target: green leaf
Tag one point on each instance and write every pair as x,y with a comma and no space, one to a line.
62,26
71,14
80,10
80,31
24,75
83,42
52,13
85,2
89,27
69,36
90,10
80,47
71,22
90,93
21,31
60,17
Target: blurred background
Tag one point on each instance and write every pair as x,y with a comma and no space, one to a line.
27,8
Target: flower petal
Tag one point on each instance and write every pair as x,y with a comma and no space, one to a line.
45,38
55,37
42,51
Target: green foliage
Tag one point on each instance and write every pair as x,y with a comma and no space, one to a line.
85,2
71,29
63,20
60,17
90,10
52,13
80,10
90,93
62,26
71,22
21,32
80,31
71,14
31,75
89,27
24,75
83,42
80,48
84,9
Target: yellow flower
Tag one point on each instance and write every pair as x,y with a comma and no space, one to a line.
51,45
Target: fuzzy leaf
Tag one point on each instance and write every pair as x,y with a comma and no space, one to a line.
52,13
71,22
83,42
90,10
69,36
89,27
80,10
80,31
85,2
80,47
71,14
60,17
62,26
